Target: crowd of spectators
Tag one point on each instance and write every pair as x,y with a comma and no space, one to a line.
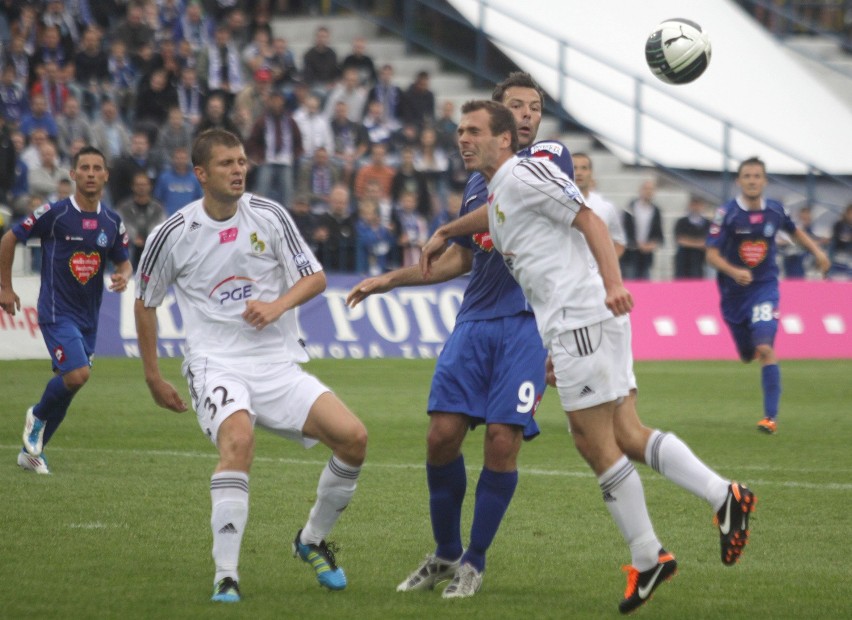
366,167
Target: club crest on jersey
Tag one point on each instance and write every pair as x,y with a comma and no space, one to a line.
573,193
768,230
501,217
228,235
752,253
90,223
257,246
102,240
301,260
484,241
84,266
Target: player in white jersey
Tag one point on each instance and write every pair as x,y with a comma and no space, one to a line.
239,269
539,222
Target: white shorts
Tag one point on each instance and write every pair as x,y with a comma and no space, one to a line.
277,396
593,364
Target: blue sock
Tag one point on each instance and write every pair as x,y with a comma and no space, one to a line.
770,379
493,494
53,406
447,486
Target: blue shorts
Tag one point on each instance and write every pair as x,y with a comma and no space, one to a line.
752,317
69,348
493,372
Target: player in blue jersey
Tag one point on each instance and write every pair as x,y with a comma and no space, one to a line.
741,247
78,235
491,371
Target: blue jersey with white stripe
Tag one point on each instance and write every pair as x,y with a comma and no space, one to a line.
492,292
746,239
75,246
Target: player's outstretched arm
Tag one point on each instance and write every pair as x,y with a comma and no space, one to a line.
618,298
163,392
259,314
822,260
9,301
451,264
474,222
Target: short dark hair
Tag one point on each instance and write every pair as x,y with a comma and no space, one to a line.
86,150
501,118
202,147
519,79
582,154
751,161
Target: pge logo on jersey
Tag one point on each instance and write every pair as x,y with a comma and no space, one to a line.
233,289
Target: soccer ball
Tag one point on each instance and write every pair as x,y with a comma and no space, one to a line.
678,51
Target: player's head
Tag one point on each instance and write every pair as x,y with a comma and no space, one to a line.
582,171
525,98
487,135
751,177
220,164
89,172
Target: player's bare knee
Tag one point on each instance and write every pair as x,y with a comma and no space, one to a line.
353,451
502,444
76,379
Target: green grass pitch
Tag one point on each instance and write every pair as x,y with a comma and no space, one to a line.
121,527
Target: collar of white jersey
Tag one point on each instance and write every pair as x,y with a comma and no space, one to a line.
76,206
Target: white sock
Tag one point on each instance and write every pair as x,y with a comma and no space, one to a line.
668,455
336,486
229,496
625,499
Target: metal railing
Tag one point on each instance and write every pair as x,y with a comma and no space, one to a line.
423,22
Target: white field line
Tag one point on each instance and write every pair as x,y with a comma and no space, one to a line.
647,475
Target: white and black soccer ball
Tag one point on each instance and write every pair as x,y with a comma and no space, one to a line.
678,51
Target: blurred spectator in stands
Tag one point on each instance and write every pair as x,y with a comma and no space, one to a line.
133,30
16,56
377,127
317,176
32,152
58,14
282,63
26,28
39,117
390,96
359,60
585,180
14,102
407,137
215,116
375,169
52,87
409,179
191,96
91,71
177,185
447,213
374,241
690,232
123,75
319,65
169,15
445,127
144,61
140,158
73,149
251,100
109,133
350,139
432,162
259,18
8,156
307,222
52,49
387,208
195,28
21,181
155,96
349,90
418,102
413,229
337,252
141,213
643,229
257,54
314,127
166,57
175,134
237,24
44,178
795,258
221,66
71,125
840,247
275,146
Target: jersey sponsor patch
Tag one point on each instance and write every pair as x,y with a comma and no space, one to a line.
90,223
41,210
28,222
543,148
752,253
228,235
484,241
84,266
755,218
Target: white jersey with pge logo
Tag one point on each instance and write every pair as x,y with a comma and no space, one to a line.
217,267
531,206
